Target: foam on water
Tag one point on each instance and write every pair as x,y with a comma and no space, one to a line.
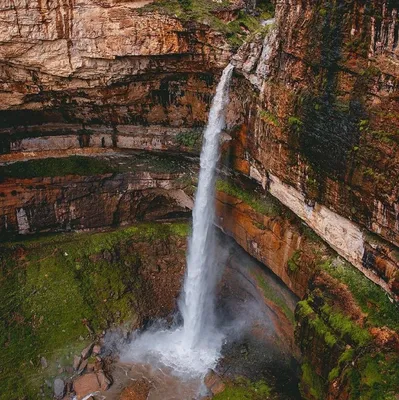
168,349
193,348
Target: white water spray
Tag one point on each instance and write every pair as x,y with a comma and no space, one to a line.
194,347
197,306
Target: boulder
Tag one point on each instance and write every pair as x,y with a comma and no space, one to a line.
103,380
96,349
76,362
86,352
214,383
59,388
85,385
90,367
82,366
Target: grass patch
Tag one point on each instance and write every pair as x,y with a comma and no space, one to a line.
55,288
244,389
262,204
89,166
52,167
371,298
206,12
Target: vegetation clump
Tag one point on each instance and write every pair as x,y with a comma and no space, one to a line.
373,301
262,203
59,290
268,117
209,13
192,140
358,359
244,389
293,262
94,165
311,383
52,167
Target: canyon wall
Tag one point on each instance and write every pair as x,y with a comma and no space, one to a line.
322,123
313,113
67,66
310,166
79,193
319,132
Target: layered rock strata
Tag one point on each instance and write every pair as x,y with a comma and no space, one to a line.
102,63
84,200
322,126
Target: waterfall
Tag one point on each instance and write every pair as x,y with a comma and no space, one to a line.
191,349
197,306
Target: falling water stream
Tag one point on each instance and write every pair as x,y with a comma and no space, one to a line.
190,349
197,306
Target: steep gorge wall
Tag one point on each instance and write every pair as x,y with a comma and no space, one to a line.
322,123
320,133
80,193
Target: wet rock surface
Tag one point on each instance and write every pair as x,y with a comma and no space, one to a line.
214,383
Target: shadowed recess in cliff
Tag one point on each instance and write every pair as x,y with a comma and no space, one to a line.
328,125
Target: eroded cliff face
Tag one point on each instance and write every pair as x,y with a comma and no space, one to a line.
322,124
346,326
102,63
104,190
320,133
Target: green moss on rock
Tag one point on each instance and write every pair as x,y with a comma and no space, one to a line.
312,386
244,389
209,13
262,203
94,165
373,300
57,290
53,167
293,262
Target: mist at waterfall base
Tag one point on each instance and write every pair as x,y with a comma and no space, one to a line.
190,349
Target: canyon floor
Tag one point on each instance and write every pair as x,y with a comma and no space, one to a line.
76,300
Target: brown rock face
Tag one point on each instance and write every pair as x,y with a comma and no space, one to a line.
73,202
322,122
85,385
103,63
214,383
270,239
